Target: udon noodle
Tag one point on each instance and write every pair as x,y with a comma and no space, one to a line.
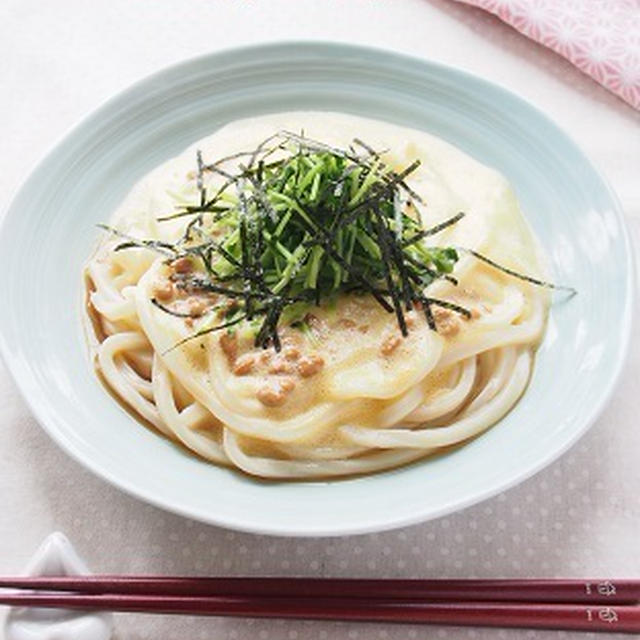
345,392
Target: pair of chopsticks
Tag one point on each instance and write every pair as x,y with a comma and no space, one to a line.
583,605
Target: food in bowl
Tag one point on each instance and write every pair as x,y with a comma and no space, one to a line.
308,295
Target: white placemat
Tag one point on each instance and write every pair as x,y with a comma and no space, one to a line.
579,517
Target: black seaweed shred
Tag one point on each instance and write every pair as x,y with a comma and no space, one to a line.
515,274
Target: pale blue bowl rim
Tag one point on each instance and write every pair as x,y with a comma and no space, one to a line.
27,386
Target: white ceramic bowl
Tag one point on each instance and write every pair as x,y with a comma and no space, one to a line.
50,228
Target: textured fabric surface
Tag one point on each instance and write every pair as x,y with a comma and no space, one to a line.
578,517
601,37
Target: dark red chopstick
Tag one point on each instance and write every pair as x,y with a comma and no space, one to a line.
568,617
550,590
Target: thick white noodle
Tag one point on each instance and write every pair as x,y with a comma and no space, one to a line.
182,423
273,468
497,379
525,333
140,384
466,427
449,400
110,360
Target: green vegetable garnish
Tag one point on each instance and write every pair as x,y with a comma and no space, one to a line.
301,222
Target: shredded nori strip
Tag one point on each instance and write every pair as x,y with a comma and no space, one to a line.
204,332
245,268
387,259
199,179
154,245
426,305
172,312
515,274
445,304
433,230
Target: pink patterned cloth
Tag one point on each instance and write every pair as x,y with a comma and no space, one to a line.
600,37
